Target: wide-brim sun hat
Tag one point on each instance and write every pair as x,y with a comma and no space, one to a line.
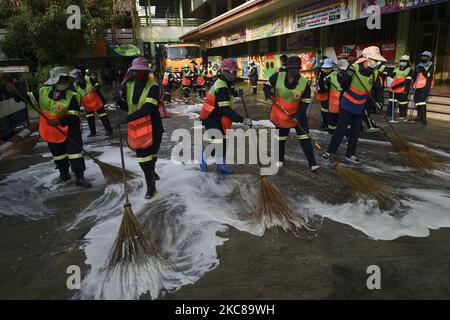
55,75
138,64
404,58
229,65
75,73
373,53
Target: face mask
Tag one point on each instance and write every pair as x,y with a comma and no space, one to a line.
139,76
423,60
403,64
61,87
372,65
293,72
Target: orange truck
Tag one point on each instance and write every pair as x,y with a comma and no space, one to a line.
177,56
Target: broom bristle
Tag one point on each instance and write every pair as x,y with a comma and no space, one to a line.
132,245
114,174
416,158
362,184
272,210
396,141
420,160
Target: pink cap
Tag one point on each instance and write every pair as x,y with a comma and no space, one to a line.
229,65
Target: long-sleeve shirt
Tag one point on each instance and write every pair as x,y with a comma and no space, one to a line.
148,108
253,74
305,98
222,108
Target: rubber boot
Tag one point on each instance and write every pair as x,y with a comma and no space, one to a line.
203,164
222,168
151,187
80,182
107,125
63,175
424,114
91,123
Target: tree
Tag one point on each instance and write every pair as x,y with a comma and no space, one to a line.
37,32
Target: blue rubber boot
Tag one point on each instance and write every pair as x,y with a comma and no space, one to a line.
221,168
203,164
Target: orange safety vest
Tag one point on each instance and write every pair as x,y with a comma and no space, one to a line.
321,96
290,100
165,80
210,104
400,76
140,131
421,80
335,93
201,81
53,109
90,99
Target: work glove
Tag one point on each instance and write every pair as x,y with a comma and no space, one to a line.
248,122
268,95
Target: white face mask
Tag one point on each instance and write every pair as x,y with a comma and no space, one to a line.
372,65
403,64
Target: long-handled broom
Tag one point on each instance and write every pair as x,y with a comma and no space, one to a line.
272,209
358,182
416,158
131,245
111,173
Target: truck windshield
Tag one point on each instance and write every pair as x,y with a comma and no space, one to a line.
183,52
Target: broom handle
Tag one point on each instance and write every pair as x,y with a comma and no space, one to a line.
56,127
375,102
122,158
317,145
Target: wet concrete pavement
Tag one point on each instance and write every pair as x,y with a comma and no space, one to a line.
328,264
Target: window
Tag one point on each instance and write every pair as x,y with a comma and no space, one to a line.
188,52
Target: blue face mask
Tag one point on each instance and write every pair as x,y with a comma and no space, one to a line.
373,65
403,64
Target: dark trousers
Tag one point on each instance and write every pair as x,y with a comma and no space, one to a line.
420,102
90,117
186,91
345,119
332,122
147,160
201,91
324,112
255,86
400,102
305,141
167,94
67,154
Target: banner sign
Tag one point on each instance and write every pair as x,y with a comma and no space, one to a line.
268,28
352,52
393,5
238,36
336,13
14,69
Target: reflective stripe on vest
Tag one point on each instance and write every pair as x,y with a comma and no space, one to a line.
400,76
140,130
53,109
335,93
289,99
355,96
421,80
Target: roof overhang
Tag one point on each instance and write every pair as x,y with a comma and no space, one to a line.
236,17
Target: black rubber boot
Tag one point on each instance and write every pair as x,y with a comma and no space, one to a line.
80,182
151,187
63,175
424,114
